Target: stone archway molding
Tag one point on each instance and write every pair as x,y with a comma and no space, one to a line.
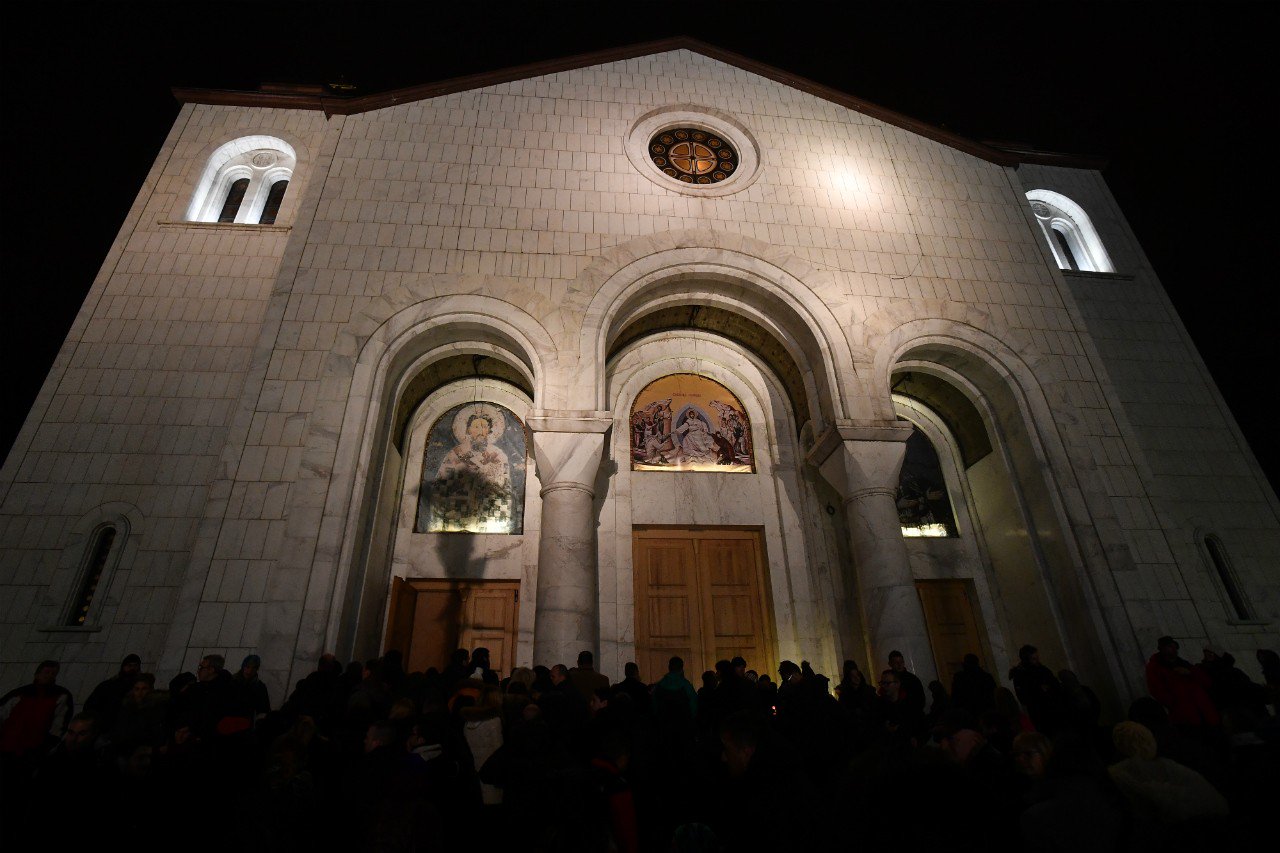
350,426
784,294
1091,532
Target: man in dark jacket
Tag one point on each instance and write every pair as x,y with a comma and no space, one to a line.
249,695
585,678
211,696
1038,690
912,687
104,702
973,689
635,688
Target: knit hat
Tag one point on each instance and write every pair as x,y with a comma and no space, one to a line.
128,659
253,661
1134,740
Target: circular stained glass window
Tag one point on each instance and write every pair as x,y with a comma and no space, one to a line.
692,155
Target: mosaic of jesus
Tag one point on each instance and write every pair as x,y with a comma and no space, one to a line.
473,472
687,422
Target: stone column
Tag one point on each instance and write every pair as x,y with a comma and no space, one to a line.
862,464
567,451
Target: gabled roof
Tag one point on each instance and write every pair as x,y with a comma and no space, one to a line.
323,99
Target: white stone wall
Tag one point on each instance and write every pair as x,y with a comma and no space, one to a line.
226,380
135,413
1188,470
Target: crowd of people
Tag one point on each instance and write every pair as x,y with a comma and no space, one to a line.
369,757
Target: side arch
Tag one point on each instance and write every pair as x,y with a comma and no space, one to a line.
373,361
1074,516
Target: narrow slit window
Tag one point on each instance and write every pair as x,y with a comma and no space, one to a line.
272,207
1219,557
235,196
1065,245
92,576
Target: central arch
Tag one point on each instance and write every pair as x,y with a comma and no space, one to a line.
787,298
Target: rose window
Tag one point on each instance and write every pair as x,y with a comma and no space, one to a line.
693,156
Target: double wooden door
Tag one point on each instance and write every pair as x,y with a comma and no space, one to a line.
429,619
701,594
953,621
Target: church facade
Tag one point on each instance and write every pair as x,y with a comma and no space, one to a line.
657,352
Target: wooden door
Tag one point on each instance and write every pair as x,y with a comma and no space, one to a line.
429,619
954,629
700,593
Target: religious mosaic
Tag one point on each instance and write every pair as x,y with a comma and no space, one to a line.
686,422
923,506
473,472
692,155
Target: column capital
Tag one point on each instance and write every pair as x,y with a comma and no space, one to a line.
846,430
568,459
862,461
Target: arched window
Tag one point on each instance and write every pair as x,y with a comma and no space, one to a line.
1069,232
272,207
235,197
244,181
1218,556
924,507
91,574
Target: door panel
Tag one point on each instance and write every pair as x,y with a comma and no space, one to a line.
700,594
954,629
667,614
429,619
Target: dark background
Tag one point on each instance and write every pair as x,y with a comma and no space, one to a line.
1175,96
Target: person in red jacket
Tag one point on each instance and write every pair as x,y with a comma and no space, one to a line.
34,716
1181,688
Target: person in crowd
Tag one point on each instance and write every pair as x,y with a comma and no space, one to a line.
1174,807
212,700
1269,661
73,772
585,678
104,701
34,716
912,687
142,713
456,669
899,717
1067,782
480,667
973,688
321,695
675,703
249,695
1182,689
615,809
766,778
635,688
1038,690
988,779
1081,708
1230,689
853,692
1031,754
482,730
939,701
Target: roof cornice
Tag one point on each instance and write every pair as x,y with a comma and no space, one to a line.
310,98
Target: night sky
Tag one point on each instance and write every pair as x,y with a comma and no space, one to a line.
1176,96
